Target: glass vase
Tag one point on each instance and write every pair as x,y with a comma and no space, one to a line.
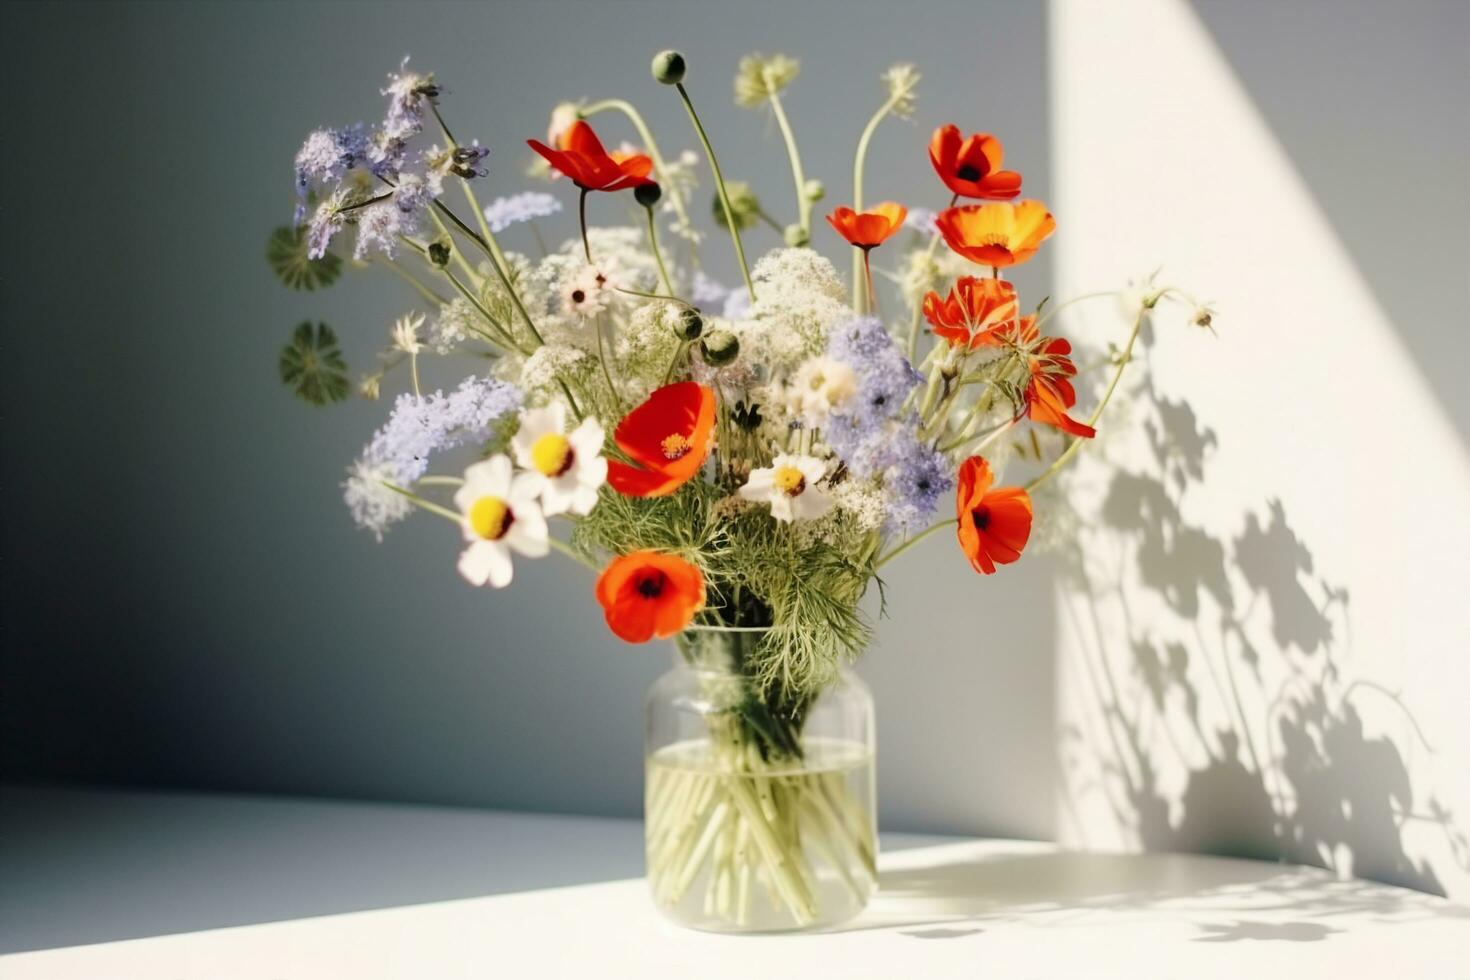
759,808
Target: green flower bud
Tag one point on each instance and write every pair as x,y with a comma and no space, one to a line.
814,190
668,67
743,202
689,324
797,237
439,253
647,194
719,348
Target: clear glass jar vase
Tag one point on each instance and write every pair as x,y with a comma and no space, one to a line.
759,810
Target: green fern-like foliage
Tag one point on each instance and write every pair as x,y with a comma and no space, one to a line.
312,365
286,253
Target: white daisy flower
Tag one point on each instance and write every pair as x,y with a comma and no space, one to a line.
586,292
566,468
820,385
790,486
499,514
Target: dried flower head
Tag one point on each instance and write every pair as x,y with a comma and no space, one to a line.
759,77
902,79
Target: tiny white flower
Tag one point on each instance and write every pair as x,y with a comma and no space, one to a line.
406,333
821,384
566,468
586,292
498,514
790,486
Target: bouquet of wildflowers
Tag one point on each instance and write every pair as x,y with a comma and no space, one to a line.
731,462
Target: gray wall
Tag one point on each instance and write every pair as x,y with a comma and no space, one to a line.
185,599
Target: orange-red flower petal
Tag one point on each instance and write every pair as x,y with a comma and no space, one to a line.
868,229
977,312
998,235
668,436
994,525
1049,393
970,165
581,157
648,593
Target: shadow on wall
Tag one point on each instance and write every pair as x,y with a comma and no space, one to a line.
1197,738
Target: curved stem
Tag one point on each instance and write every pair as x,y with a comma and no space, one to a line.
913,541
714,166
572,553
803,204
1071,449
1041,320
658,256
859,301
486,247
606,374
413,280
582,220
423,504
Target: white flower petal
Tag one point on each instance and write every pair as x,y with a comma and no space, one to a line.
528,534
486,561
587,438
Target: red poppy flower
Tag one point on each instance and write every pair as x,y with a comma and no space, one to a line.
994,525
668,436
970,165
647,594
977,312
581,157
998,235
1049,393
868,229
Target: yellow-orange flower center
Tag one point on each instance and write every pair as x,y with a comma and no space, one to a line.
490,518
552,455
676,446
790,480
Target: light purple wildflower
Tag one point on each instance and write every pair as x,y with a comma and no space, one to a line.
378,228
503,212
407,93
914,482
325,157
921,220
885,377
324,225
419,427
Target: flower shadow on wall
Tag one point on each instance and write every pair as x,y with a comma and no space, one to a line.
1229,723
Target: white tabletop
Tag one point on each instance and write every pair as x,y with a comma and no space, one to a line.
986,908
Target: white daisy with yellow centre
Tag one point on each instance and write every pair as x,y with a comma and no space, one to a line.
791,485
567,468
819,386
499,515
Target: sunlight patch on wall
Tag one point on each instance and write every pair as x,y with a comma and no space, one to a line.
1262,645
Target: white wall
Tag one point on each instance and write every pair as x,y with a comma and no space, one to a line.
1263,649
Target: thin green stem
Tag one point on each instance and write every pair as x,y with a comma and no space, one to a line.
919,300
860,158
427,505
413,373
674,362
454,248
1041,320
428,294
572,553
714,165
663,272
606,374
490,249
913,541
672,299
803,203
1072,447
440,481
582,220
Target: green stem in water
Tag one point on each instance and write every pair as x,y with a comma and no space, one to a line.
913,541
714,165
1072,447
803,203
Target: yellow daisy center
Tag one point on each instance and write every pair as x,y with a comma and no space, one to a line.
789,480
676,446
490,518
552,454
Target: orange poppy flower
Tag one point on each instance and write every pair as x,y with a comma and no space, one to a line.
580,156
994,525
647,594
868,229
970,165
977,312
997,235
668,436
1049,393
